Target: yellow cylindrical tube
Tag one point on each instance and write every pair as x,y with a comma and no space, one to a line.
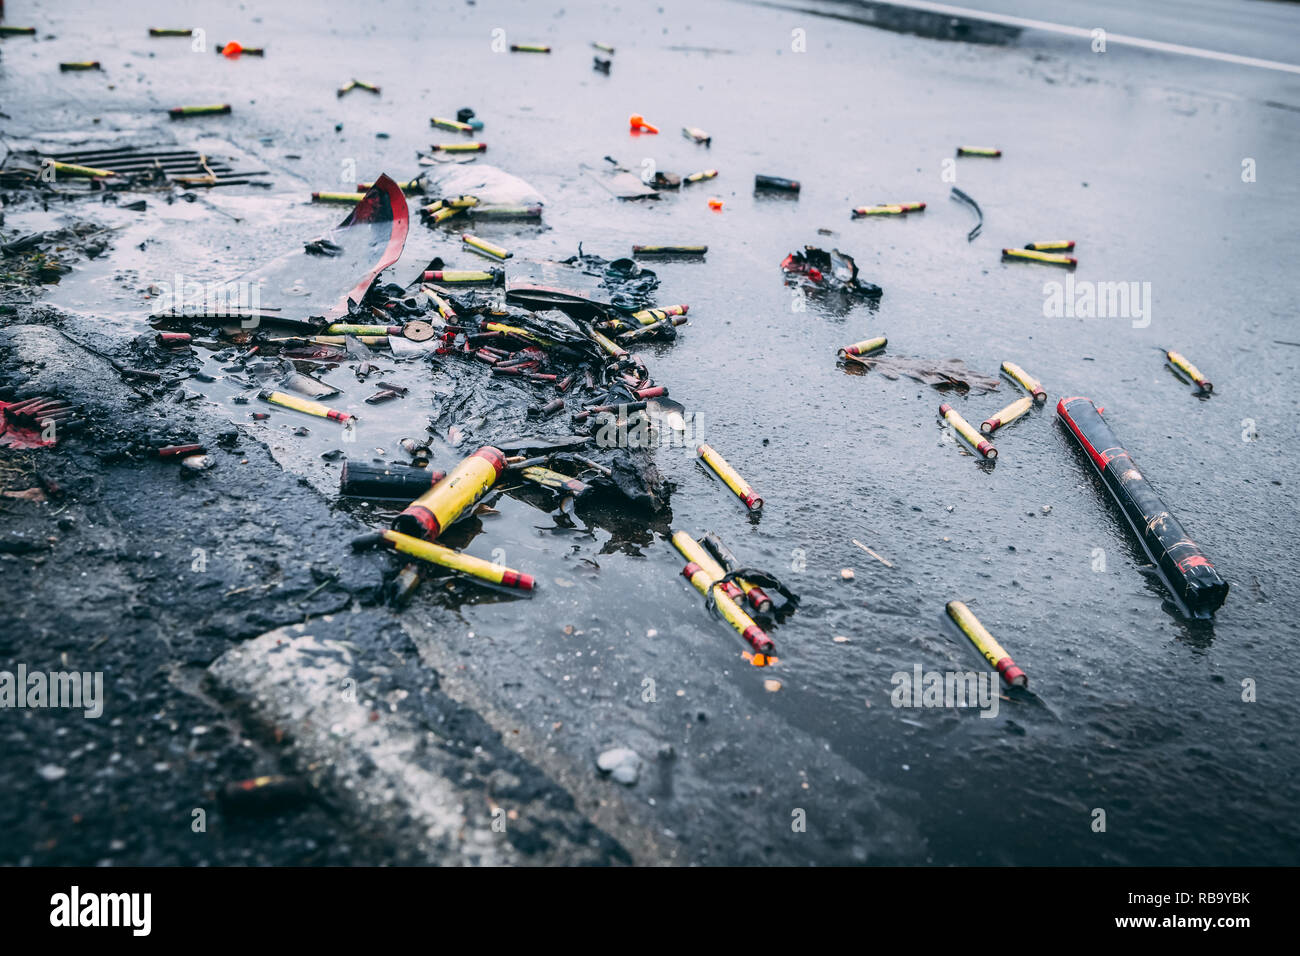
1007,415
964,429
730,477
452,498
864,347
456,125
1048,257
978,151
338,197
305,405
894,210
1053,245
986,645
1025,381
482,245
460,147
72,169
456,561
1179,362
380,341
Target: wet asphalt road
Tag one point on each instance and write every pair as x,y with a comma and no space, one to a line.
1136,156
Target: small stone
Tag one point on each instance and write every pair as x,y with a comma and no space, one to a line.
846,574
51,772
771,686
840,639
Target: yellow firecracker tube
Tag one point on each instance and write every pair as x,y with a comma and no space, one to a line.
878,211
452,498
71,169
986,645
1052,245
617,351
700,176
455,560
1025,381
1191,371
651,316
338,197
1051,258
730,477
706,581
482,245
1007,415
964,429
305,405
456,125
460,147
694,552
864,347
978,151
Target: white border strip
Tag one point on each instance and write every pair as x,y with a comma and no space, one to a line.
1119,38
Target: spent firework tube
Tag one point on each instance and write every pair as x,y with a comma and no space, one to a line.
911,206
1007,415
651,316
371,330
442,215
1025,381
984,642
172,339
466,276
505,212
305,405
1189,573
700,176
617,351
447,558
410,186
554,480
864,347
454,497
181,112
978,151
1179,362
696,134
450,124
729,609
776,182
693,552
338,197
77,65
669,250
482,245
1052,245
72,169
530,48
878,211
164,32
460,147
730,476
1050,258
363,480
756,596
963,428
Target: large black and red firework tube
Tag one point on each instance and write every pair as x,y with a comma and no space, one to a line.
1182,563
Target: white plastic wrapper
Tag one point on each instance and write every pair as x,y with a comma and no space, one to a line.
492,186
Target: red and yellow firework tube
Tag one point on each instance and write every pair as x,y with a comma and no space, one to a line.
454,497
305,405
1025,381
730,476
693,552
651,316
964,429
986,645
1050,258
737,618
464,563
1179,362
864,347
1007,415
